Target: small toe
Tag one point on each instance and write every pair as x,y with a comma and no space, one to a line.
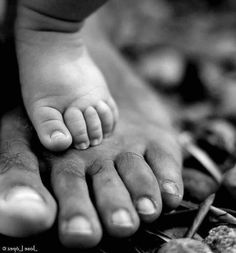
114,108
106,117
51,129
75,121
94,126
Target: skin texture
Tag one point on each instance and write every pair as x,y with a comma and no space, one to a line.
130,176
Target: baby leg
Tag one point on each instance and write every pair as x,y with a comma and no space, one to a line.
65,94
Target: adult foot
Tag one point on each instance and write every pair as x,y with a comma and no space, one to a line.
65,94
133,173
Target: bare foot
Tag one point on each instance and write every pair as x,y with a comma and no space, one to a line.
133,173
65,94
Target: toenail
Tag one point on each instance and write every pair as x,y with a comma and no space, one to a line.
82,146
57,135
95,142
170,187
145,206
122,218
107,135
77,225
23,194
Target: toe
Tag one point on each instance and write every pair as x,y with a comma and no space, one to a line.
94,126
166,165
138,177
78,221
75,122
51,129
106,117
23,210
114,108
26,207
113,200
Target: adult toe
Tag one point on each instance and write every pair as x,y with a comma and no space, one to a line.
165,161
113,200
79,225
26,207
141,183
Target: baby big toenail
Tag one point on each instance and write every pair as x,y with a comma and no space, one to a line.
77,225
122,218
57,135
145,206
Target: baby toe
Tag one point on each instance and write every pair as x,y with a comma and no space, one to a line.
75,121
106,117
51,129
112,104
94,126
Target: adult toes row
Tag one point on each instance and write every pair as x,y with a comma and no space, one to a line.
125,190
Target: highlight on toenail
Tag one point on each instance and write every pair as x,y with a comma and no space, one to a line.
107,135
145,206
95,142
23,194
77,225
170,188
58,135
122,218
82,146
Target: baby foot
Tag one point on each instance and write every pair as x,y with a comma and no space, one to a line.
65,94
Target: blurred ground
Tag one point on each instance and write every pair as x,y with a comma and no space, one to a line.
183,48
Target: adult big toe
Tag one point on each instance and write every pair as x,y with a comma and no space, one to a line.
132,175
26,207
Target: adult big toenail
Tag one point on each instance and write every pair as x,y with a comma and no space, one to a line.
170,187
23,194
122,218
145,206
77,225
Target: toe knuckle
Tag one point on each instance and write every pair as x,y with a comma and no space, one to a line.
69,168
81,134
14,155
95,128
100,166
128,156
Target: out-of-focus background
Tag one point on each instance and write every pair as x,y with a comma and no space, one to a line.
185,48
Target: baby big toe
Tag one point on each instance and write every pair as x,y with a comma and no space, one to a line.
75,121
106,117
94,126
51,129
